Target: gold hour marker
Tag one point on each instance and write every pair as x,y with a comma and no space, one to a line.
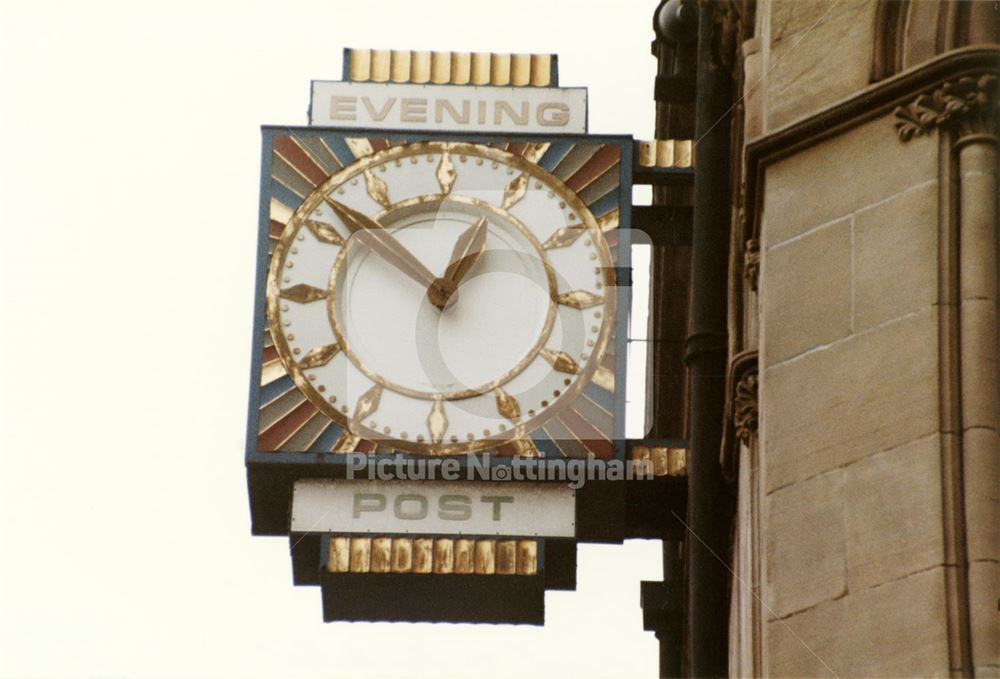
437,422
560,360
567,235
303,293
377,189
507,405
446,173
367,404
324,232
319,356
604,378
515,191
346,443
609,221
579,299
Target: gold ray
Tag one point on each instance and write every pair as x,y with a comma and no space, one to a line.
567,235
271,372
579,299
515,191
346,443
377,189
604,378
280,212
534,152
319,356
526,448
359,146
560,360
437,422
303,293
324,232
446,173
367,404
609,221
507,405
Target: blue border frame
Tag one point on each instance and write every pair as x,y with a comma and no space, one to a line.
333,465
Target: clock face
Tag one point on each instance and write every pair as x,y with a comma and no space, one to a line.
441,298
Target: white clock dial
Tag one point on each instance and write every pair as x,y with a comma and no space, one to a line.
441,297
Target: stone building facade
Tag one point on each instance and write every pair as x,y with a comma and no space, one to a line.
863,393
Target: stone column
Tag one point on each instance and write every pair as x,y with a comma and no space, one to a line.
967,110
980,391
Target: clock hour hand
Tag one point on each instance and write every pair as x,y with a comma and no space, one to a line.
468,249
381,241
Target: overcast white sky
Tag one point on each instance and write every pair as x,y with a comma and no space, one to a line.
128,184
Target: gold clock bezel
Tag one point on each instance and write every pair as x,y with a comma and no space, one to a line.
518,430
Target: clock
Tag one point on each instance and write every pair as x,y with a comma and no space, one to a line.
445,297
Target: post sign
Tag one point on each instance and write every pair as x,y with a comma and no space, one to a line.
448,107
433,508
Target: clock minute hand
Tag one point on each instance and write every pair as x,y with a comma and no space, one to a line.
381,241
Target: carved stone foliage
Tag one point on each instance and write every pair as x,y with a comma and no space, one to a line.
741,410
969,105
745,408
751,263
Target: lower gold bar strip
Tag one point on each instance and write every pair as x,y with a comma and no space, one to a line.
527,557
440,555
444,555
381,558
402,555
485,563
423,555
339,558
506,559
464,556
361,552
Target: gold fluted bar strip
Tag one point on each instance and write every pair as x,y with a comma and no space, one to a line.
541,70
399,66
420,67
440,67
360,65
402,555
423,555
662,461
485,557
666,153
480,70
500,69
520,70
527,557
444,555
381,559
461,68
450,68
506,558
439,555
381,67
339,558
464,556
361,554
